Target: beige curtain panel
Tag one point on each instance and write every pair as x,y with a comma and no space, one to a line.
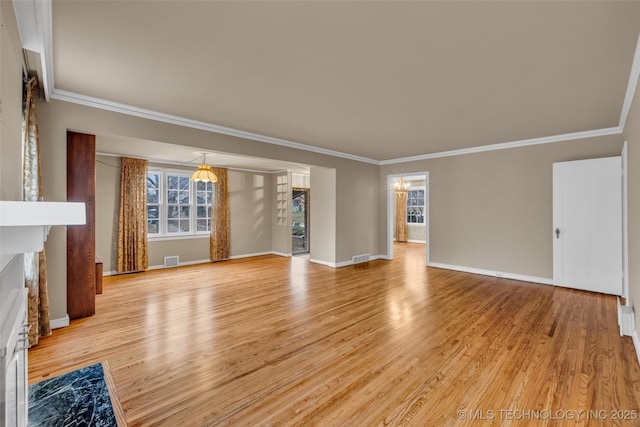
132,223
35,263
401,216
219,246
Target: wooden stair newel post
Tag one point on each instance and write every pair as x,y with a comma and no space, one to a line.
81,256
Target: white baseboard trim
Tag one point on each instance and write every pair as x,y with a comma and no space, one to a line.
317,261
619,314
180,264
501,274
201,261
636,343
345,263
417,241
60,323
280,253
327,263
252,255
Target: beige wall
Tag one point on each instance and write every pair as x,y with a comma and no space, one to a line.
11,106
249,206
107,210
188,250
356,224
357,189
632,136
417,232
322,215
250,217
300,180
493,210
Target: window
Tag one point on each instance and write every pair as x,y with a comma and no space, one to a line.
204,197
153,203
176,206
415,206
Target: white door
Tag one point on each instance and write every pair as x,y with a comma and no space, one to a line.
587,225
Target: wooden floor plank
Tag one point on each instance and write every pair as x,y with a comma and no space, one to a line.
281,341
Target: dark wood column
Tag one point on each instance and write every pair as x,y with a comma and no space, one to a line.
81,240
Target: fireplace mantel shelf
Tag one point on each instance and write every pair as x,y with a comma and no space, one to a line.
24,226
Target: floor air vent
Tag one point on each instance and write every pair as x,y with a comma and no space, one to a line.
361,258
171,261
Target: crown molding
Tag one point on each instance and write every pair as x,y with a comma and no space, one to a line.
505,145
63,95
89,101
34,19
631,86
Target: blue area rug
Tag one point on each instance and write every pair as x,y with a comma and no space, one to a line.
78,398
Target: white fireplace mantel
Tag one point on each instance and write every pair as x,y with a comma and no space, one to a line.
24,226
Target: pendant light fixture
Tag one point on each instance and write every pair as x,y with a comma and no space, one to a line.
204,172
400,186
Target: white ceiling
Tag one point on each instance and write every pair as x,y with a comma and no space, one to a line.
381,80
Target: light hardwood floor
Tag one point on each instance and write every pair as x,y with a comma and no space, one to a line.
281,341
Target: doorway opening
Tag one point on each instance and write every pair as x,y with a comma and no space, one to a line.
415,213
300,221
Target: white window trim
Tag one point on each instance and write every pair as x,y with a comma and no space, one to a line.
163,210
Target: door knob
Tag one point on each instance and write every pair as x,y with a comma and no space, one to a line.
557,233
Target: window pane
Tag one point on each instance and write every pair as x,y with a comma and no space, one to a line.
173,225
173,212
184,197
172,196
202,212
184,212
153,227
184,226
202,225
152,196
153,212
201,185
172,182
153,181
201,197
184,183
